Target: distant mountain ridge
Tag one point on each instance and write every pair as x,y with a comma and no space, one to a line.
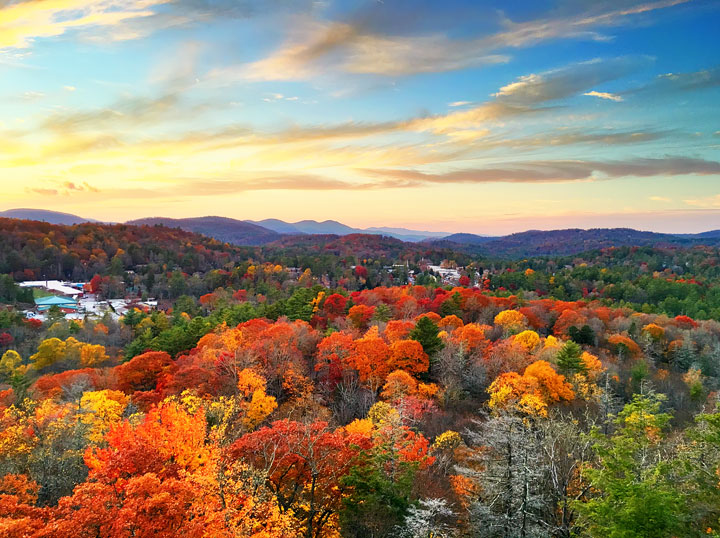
330,233
44,215
334,227
569,241
223,229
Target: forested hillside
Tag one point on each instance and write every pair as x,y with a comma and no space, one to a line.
552,397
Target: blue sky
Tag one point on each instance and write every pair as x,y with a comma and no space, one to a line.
456,116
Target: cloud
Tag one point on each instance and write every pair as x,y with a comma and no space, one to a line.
292,182
44,192
569,80
574,25
529,93
126,112
554,171
79,187
568,138
318,46
459,103
356,47
23,22
32,95
69,88
710,202
273,97
673,83
64,188
604,95
660,199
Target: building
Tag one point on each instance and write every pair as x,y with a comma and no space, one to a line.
66,305
73,289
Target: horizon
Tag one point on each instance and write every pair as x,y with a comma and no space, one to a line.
362,228
456,117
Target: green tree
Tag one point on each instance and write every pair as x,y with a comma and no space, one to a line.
381,486
635,495
583,336
382,313
569,359
426,332
699,465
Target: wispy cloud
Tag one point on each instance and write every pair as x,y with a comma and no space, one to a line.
554,171
669,84
710,202
529,93
569,80
64,188
316,47
273,97
23,22
604,95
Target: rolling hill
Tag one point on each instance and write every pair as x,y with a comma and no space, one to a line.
44,215
334,227
568,242
237,232
315,236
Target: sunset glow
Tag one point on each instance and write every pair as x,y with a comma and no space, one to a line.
446,116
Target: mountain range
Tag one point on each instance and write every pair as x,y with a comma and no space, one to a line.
327,234
567,242
245,232
223,229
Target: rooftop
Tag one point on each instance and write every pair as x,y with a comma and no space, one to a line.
55,300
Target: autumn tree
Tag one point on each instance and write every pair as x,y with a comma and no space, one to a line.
93,355
370,358
49,352
360,315
511,321
532,392
141,373
408,355
162,478
305,464
382,480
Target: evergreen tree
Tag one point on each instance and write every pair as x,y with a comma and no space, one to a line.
569,359
426,332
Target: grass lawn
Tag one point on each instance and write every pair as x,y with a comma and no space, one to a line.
39,292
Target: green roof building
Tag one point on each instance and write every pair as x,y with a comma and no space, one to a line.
64,303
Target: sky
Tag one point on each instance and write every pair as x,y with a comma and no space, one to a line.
457,116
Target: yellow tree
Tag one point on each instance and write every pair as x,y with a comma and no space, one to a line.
49,352
528,339
102,409
9,362
511,321
256,403
92,355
